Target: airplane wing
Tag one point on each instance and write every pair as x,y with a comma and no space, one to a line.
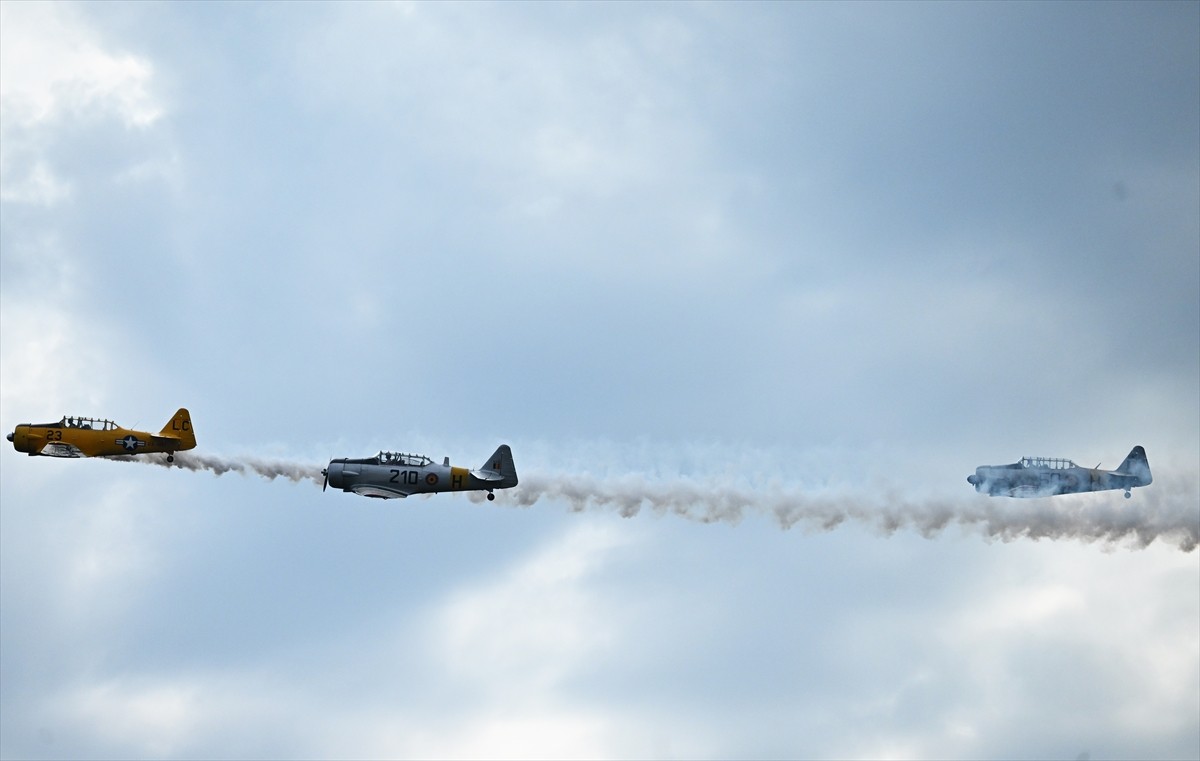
380,492
61,450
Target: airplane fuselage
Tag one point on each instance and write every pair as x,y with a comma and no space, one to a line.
1005,480
347,473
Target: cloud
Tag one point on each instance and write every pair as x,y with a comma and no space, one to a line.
154,720
56,66
55,70
35,366
1145,647
486,668
748,267
527,630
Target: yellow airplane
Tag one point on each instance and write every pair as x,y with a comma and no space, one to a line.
89,437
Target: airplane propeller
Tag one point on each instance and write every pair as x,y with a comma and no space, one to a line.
325,472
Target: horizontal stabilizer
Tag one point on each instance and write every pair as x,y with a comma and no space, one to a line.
487,475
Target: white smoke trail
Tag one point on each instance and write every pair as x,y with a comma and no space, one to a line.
268,469
1167,511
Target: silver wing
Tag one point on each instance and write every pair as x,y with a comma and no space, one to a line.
61,450
379,492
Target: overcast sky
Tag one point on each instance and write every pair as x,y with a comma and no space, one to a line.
719,268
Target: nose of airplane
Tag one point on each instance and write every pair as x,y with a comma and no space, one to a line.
973,479
333,474
10,437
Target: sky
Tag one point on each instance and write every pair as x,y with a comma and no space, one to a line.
749,289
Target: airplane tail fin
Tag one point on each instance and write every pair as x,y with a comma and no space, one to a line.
180,427
501,463
1137,465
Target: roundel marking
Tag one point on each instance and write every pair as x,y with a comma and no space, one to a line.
131,443
431,479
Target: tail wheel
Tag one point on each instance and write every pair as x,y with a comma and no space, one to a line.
491,497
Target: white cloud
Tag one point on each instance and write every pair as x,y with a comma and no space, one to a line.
53,339
487,670
571,128
155,720
54,66
43,369
1118,628
531,625
37,186
512,644
54,70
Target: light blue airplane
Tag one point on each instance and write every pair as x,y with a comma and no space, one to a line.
1048,476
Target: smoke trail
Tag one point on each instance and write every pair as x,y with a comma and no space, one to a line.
268,469
1168,511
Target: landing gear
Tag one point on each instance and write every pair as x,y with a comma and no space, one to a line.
170,458
1127,494
491,497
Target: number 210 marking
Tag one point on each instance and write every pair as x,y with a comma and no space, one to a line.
403,476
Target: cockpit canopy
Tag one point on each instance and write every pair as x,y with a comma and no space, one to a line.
88,423
400,458
1054,463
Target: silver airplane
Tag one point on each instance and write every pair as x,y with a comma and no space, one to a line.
1048,476
389,475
